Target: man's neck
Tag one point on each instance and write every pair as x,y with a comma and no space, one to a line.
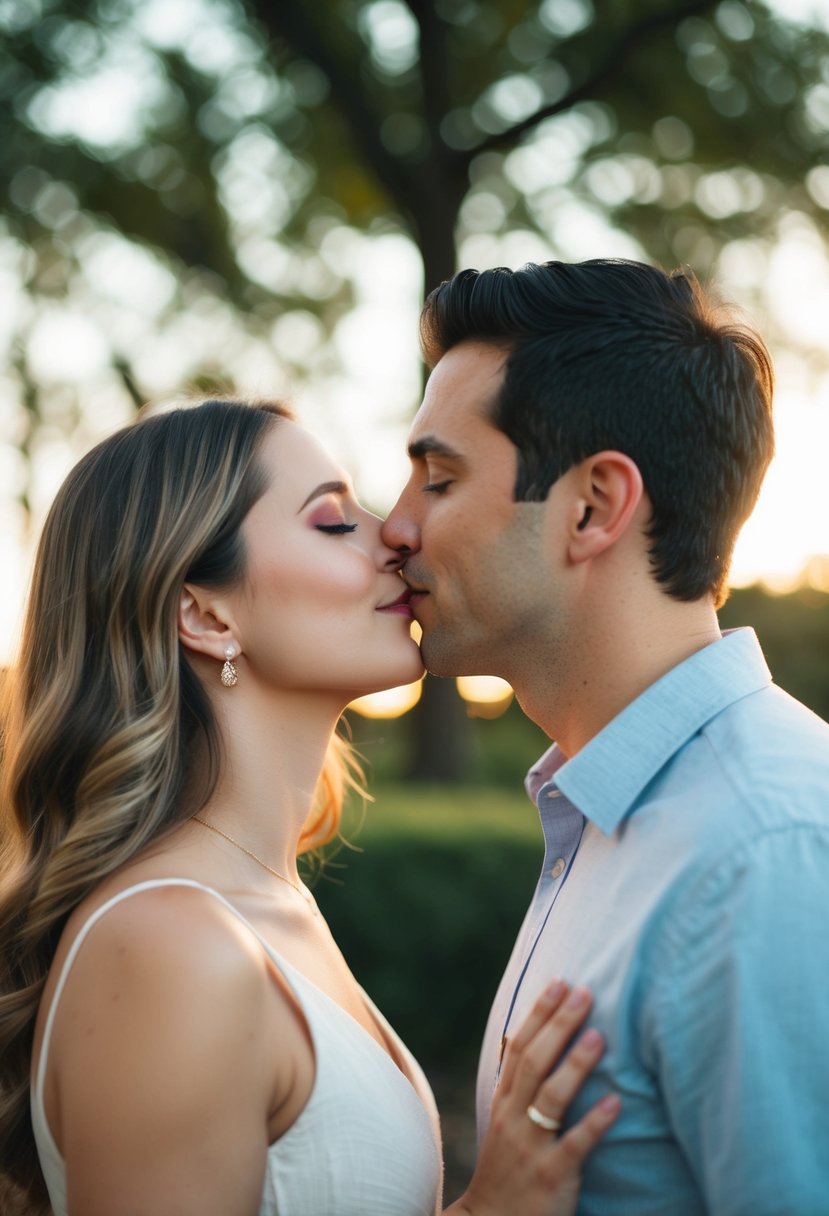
578,692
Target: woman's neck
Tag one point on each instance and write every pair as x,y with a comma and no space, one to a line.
273,748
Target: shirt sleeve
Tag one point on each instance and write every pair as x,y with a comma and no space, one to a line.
738,1025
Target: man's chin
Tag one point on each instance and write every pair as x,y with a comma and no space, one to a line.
440,660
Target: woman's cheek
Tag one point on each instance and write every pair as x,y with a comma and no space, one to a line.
350,574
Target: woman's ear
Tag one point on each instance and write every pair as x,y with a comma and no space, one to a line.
202,628
609,489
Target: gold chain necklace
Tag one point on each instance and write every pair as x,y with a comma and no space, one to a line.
306,895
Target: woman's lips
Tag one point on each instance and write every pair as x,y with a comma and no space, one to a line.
399,607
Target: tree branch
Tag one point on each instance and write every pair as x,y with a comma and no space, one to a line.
289,21
123,368
610,67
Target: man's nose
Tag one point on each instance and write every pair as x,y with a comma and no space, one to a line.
400,531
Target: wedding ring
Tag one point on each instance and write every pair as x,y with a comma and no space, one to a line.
540,1120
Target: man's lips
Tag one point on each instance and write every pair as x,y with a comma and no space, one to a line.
416,594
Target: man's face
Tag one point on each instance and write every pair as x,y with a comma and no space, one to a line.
478,561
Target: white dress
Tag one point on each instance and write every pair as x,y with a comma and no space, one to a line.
367,1143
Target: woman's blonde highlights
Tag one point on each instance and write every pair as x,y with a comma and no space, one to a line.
109,741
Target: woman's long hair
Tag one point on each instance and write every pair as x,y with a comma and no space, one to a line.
109,741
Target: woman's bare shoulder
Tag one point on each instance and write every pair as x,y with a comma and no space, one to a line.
163,1053
165,949
177,924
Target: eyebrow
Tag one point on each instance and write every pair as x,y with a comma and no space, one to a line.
326,487
429,445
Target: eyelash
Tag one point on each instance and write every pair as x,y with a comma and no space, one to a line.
336,529
437,487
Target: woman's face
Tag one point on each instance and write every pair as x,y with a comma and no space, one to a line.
321,606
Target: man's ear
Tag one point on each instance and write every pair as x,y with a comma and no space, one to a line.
607,492
202,624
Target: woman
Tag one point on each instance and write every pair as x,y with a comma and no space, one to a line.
207,598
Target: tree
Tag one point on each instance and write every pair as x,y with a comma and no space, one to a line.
265,127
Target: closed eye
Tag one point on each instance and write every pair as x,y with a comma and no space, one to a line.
437,487
336,529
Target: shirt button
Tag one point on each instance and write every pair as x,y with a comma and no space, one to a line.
558,867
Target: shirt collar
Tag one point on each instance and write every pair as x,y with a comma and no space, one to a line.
606,777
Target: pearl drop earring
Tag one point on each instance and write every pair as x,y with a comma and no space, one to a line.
230,675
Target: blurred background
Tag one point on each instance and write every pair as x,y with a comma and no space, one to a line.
251,197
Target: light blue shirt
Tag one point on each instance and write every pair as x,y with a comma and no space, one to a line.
686,883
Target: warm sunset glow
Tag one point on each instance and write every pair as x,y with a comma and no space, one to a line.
394,701
485,696
389,704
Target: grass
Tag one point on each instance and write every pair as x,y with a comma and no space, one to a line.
444,814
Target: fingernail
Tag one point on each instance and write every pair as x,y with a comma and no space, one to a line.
610,1106
578,998
554,990
592,1040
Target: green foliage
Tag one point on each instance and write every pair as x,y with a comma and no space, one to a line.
427,913
794,632
501,749
264,122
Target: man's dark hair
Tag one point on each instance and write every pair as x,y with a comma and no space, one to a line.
614,354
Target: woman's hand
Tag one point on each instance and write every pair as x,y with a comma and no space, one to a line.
523,1167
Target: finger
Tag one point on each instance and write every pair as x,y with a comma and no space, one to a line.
542,1053
543,1009
557,1092
573,1147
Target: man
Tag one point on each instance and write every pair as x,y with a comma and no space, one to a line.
591,439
